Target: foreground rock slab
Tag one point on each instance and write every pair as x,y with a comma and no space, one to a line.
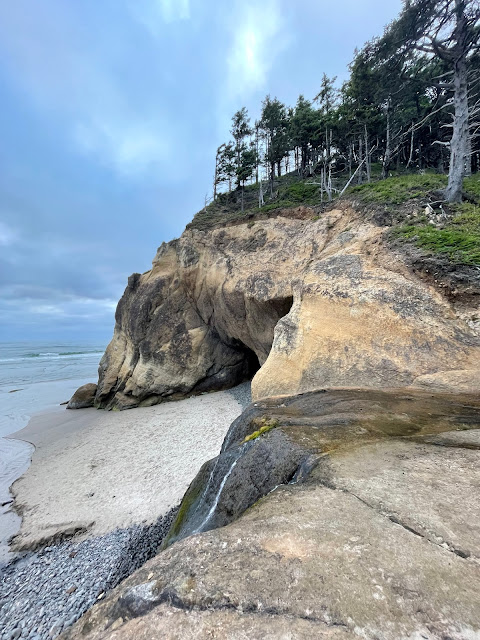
379,542
316,555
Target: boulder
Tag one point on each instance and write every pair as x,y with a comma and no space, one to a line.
83,397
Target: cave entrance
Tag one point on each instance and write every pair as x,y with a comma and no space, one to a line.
262,319
251,363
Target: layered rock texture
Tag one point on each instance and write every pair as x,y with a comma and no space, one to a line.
316,303
373,535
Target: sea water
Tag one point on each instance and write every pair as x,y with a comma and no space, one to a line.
34,377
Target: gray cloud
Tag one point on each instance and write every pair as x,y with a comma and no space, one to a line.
111,113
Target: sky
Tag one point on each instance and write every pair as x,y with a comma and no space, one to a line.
111,112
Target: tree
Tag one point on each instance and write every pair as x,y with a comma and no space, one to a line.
240,131
449,30
304,126
327,95
274,122
247,166
224,167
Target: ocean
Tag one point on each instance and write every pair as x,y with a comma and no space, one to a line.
34,377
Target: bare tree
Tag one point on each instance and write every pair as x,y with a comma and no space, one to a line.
448,29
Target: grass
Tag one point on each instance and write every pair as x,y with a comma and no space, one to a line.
459,238
399,189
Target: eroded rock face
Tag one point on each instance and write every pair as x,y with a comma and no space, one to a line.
378,540
83,397
316,303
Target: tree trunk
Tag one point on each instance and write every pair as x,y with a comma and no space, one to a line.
468,157
388,152
368,164
360,160
459,141
304,160
410,156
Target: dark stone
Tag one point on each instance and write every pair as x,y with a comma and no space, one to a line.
83,397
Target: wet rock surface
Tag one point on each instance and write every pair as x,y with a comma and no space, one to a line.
375,538
46,591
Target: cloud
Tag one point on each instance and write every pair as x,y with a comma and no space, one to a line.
153,14
48,306
132,148
258,37
8,236
76,79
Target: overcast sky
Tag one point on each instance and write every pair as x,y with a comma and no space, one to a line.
111,114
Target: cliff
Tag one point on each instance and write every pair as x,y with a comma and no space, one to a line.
315,302
344,501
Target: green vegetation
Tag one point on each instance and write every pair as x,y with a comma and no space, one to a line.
392,118
191,497
459,239
456,236
399,189
265,425
303,192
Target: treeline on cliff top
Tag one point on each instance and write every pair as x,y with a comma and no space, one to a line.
412,101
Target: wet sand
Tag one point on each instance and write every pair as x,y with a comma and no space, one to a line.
15,456
94,471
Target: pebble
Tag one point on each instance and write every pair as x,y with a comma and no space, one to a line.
45,592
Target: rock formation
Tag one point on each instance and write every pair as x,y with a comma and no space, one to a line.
373,535
344,501
315,303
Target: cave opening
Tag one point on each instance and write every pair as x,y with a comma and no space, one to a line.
266,317
251,363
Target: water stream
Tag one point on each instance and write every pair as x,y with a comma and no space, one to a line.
206,520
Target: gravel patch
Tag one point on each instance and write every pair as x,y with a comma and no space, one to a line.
44,592
242,394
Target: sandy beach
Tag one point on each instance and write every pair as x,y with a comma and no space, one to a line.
109,484
94,471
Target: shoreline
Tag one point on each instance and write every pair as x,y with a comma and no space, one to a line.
94,471
20,406
54,581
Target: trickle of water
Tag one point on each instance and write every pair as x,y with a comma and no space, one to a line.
220,489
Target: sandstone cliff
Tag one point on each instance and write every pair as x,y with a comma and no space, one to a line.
316,303
344,501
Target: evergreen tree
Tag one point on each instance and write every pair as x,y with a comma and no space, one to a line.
240,131
274,122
